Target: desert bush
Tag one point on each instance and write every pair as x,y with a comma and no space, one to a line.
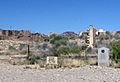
70,35
75,49
68,49
11,48
22,46
33,59
115,54
38,47
63,50
88,50
59,40
23,52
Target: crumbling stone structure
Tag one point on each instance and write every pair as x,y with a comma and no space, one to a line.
91,36
14,35
23,35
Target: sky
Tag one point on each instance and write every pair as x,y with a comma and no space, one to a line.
45,16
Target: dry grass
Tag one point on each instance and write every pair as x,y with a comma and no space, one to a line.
92,61
73,63
114,64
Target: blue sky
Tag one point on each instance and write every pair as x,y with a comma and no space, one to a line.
58,16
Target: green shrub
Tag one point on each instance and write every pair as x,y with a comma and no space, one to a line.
63,50
115,51
11,48
88,50
75,49
23,52
59,40
68,49
22,46
33,59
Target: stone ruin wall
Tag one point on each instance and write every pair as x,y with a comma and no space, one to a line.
23,35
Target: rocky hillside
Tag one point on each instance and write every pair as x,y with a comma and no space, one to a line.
16,42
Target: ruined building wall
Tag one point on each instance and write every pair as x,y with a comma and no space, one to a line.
91,36
23,35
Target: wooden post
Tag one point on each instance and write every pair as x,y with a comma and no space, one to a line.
28,50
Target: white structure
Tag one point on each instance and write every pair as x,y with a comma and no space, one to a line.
100,31
52,60
80,34
103,56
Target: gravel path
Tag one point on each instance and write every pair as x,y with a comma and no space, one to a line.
9,73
